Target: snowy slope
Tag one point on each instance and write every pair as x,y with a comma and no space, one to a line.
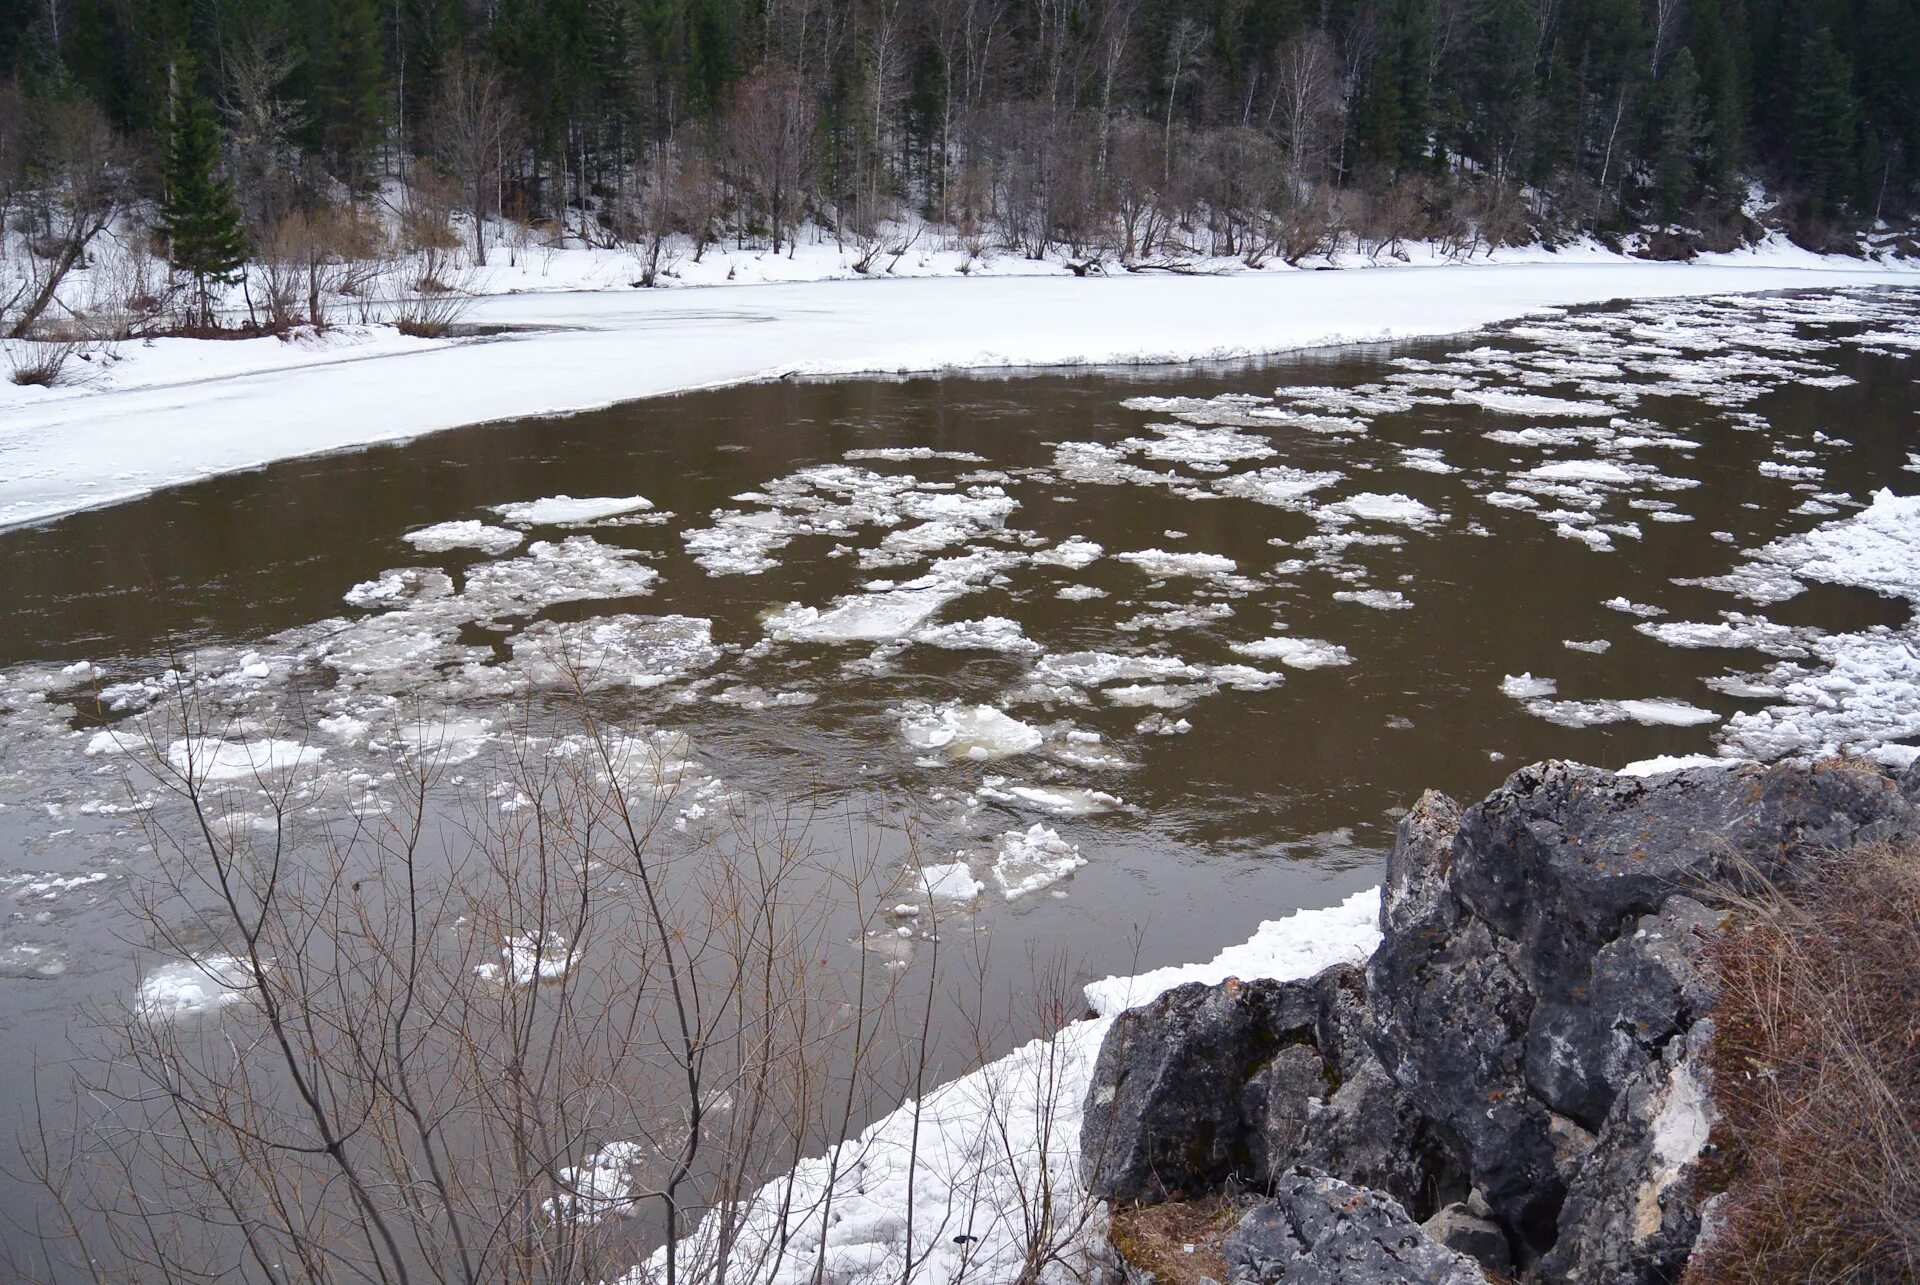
181,410
978,1156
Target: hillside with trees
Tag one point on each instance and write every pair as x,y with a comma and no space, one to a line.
1101,131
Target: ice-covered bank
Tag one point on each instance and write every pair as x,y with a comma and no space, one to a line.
989,1163
182,419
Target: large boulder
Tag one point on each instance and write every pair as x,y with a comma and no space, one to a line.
1528,1029
1540,952
1632,1211
1318,1230
1239,1081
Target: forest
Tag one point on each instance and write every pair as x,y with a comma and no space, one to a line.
1130,131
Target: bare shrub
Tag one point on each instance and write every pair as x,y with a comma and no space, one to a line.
84,187
514,1044
767,132
1310,226
41,363
474,126
1815,1064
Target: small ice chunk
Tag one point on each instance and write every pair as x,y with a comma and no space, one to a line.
976,732
444,536
1296,653
602,1185
1074,553
1378,599
399,586
869,617
1667,713
564,510
1527,687
193,986
951,881
1032,859
527,958
1675,763
1162,564
204,759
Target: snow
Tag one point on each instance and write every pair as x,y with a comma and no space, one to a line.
564,510
206,760
1032,859
1296,653
444,536
975,732
1527,687
950,881
192,986
969,1156
527,958
174,411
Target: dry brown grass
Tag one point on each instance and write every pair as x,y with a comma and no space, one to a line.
1816,1073
1154,1239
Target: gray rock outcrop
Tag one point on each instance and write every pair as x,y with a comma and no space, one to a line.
1531,1027
1318,1230
1236,1082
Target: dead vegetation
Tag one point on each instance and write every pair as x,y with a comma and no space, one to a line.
1816,1074
1176,1243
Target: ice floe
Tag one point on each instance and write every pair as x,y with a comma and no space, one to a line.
564,510
1030,860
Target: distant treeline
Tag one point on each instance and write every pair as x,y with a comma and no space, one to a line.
1122,126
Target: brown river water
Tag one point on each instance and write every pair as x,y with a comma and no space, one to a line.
1155,654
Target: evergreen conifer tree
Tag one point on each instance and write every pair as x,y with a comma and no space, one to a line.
198,215
1677,158
1824,119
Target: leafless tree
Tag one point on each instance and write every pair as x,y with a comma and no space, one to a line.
262,120
83,186
1306,105
767,132
474,125
511,1055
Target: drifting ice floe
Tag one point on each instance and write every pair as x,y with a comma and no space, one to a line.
976,732
564,510
1296,653
445,536
871,617
193,986
527,958
1032,859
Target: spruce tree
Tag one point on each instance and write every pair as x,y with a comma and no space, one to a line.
1676,165
198,216
1824,125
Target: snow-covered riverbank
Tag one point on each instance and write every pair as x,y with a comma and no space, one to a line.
988,1163
179,410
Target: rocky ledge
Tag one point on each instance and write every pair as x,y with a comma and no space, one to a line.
1515,1085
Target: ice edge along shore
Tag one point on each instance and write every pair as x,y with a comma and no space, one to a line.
179,411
